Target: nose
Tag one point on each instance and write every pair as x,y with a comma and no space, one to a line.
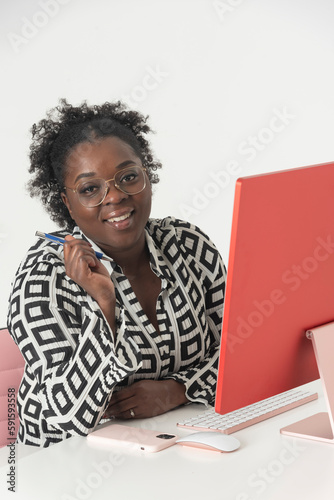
114,195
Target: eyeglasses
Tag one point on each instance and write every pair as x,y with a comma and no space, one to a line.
92,192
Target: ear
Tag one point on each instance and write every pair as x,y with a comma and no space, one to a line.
66,202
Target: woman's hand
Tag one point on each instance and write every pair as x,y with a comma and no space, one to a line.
83,267
146,398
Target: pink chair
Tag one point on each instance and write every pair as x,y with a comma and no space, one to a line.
11,370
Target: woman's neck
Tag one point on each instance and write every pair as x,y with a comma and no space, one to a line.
134,261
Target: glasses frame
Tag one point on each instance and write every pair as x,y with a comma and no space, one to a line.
75,190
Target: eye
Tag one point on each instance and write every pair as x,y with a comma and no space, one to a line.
130,176
89,189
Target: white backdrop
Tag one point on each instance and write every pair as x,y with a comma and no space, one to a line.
232,88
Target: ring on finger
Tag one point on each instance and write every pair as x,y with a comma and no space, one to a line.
132,413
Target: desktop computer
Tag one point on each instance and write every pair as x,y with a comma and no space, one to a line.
280,285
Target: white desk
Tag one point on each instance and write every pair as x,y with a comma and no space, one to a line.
268,466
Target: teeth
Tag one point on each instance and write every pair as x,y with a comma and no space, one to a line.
121,217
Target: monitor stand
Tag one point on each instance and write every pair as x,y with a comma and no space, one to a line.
320,426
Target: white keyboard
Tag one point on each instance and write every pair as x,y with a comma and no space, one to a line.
249,415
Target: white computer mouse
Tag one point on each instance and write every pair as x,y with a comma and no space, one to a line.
210,440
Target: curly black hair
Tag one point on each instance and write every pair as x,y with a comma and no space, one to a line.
66,127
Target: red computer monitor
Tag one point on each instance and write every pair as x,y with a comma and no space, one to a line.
280,283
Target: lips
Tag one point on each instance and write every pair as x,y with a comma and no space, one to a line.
119,218
119,215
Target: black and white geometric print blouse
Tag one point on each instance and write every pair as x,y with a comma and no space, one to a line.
72,362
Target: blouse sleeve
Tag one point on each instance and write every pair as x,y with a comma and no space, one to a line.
67,345
200,379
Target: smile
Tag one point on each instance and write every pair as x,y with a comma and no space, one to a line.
120,218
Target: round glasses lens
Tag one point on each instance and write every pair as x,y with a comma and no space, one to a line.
130,180
91,192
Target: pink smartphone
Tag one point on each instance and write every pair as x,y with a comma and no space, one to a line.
133,438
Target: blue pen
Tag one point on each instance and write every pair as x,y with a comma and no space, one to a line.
60,241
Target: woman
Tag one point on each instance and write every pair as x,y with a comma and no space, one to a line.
129,337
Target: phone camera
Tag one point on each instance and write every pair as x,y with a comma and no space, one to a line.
165,436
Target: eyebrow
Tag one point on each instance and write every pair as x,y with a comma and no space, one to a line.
92,174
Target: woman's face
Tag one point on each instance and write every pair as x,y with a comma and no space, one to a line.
102,159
